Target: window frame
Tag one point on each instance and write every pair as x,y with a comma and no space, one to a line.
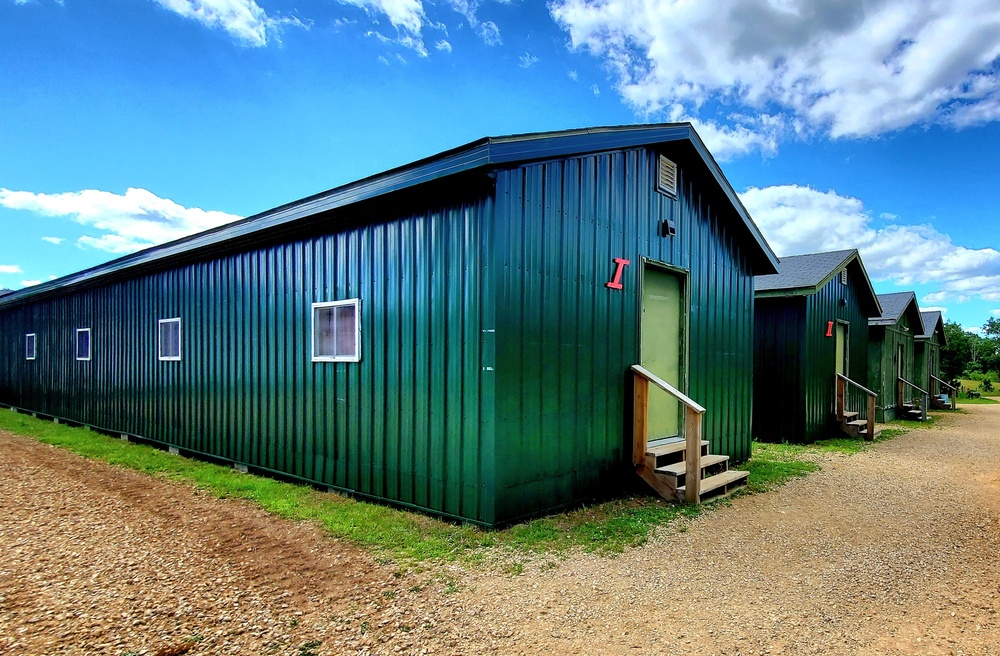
34,346
90,345
356,303
159,340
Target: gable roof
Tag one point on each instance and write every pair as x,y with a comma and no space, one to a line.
803,275
894,306
484,154
933,323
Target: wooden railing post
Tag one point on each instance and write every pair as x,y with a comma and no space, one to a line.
871,416
923,406
640,413
841,391
692,472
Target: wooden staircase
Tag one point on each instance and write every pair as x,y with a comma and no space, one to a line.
665,469
855,427
912,412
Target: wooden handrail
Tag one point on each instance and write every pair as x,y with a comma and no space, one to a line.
954,390
858,385
948,385
692,429
842,382
900,382
667,387
903,380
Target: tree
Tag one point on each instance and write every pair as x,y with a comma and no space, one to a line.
957,355
989,345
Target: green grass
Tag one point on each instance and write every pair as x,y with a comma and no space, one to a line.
407,537
410,537
983,400
772,465
975,385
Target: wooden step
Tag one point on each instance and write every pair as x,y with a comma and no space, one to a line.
720,484
864,434
670,447
858,423
850,416
679,469
915,414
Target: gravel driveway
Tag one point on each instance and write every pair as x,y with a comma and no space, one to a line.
890,551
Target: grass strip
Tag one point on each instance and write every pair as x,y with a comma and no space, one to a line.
410,537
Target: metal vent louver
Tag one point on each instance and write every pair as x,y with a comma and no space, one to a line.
843,276
667,177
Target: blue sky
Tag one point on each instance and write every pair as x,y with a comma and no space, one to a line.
875,124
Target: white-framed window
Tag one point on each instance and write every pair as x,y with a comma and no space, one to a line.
169,339
336,329
83,343
30,346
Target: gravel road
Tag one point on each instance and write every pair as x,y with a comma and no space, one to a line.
890,551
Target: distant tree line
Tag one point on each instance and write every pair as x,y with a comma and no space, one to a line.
970,355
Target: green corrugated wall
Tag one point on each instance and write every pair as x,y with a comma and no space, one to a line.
819,383
884,341
565,341
407,423
779,354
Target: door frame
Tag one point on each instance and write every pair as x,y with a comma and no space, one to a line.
685,280
847,346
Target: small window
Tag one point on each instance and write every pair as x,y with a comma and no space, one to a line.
30,346
170,339
83,343
843,276
337,331
666,177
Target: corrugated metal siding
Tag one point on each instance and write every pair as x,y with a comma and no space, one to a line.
407,423
779,399
884,342
565,341
819,383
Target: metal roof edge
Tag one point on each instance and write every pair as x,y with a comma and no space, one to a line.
475,154
727,188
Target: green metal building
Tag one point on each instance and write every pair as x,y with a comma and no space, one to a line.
811,324
891,352
454,335
927,351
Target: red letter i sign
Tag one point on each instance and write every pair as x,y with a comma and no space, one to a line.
616,282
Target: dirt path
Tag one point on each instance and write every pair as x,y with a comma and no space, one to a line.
891,551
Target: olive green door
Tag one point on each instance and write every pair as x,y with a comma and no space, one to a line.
842,351
661,342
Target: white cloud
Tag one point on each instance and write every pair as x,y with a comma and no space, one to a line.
847,69
30,283
490,34
796,219
54,240
244,20
995,313
594,89
573,75
932,308
527,60
10,268
52,277
443,46
123,223
888,216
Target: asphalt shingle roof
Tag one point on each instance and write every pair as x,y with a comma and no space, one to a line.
930,320
797,271
893,306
